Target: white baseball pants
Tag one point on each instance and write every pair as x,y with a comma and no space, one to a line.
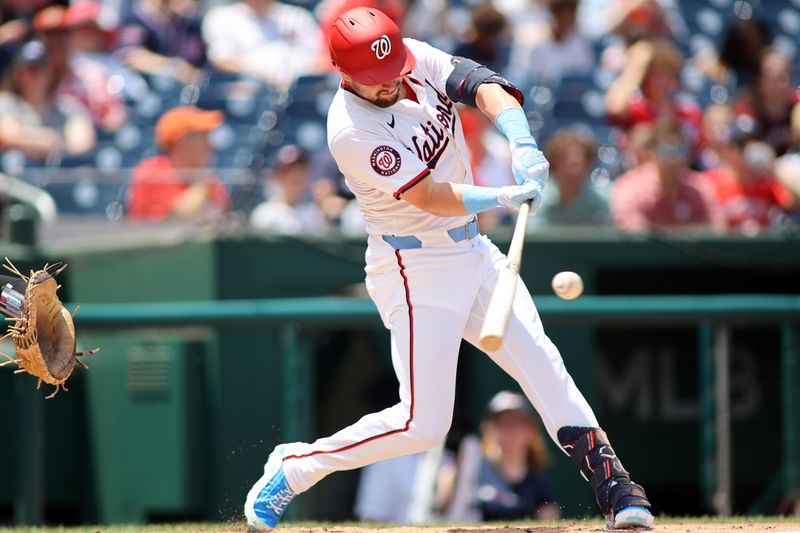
430,298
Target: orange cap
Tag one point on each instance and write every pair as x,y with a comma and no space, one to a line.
50,19
180,121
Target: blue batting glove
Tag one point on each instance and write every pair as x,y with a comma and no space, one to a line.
514,195
528,162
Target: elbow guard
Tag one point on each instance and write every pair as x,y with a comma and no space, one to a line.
462,84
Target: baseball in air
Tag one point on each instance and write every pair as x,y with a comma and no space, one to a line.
567,285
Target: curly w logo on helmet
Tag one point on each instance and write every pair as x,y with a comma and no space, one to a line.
382,47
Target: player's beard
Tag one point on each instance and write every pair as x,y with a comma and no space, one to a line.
387,98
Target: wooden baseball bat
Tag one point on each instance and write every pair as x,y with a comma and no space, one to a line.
495,322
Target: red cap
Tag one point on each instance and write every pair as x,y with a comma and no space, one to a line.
83,12
367,46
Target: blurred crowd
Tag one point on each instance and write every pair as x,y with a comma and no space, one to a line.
654,114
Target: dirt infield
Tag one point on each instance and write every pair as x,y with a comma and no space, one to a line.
569,527
671,525
572,527
668,525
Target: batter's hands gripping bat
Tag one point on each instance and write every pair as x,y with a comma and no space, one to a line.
495,322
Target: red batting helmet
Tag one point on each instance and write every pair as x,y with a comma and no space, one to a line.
367,46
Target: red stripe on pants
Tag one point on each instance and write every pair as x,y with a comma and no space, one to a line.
411,380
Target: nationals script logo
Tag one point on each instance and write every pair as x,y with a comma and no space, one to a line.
385,160
430,147
382,47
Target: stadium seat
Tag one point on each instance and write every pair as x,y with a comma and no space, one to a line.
128,137
147,109
13,162
88,195
789,20
109,159
709,22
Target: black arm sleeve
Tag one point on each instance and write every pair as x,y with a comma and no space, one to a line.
462,84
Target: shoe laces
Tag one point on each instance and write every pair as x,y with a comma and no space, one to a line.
281,499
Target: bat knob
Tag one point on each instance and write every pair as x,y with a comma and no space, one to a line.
491,343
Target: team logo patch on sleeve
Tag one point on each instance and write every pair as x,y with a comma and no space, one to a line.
385,160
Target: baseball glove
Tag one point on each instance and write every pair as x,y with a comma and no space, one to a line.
43,332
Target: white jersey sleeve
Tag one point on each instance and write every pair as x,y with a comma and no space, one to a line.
434,64
377,161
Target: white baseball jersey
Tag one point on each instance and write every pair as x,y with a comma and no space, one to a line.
430,296
383,152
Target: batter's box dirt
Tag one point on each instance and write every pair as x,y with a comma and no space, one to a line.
673,526
663,525
511,530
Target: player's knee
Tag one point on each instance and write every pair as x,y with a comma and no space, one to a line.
427,437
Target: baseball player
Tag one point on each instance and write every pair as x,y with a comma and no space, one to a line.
395,134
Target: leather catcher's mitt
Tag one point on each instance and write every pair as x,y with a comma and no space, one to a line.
43,332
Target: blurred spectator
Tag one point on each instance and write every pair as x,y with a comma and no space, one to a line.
289,209
739,52
327,183
522,11
647,90
49,25
662,191
179,184
619,23
32,120
436,22
489,159
716,133
635,19
333,196
487,41
570,198
636,146
787,167
163,37
351,220
546,56
770,100
744,186
91,67
269,39
510,481
22,10
91,34
631,19
385,490
399,490
12,33
331,203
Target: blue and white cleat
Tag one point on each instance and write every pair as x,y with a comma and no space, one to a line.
631,517
268,498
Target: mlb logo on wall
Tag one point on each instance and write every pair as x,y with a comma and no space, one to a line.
385,160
